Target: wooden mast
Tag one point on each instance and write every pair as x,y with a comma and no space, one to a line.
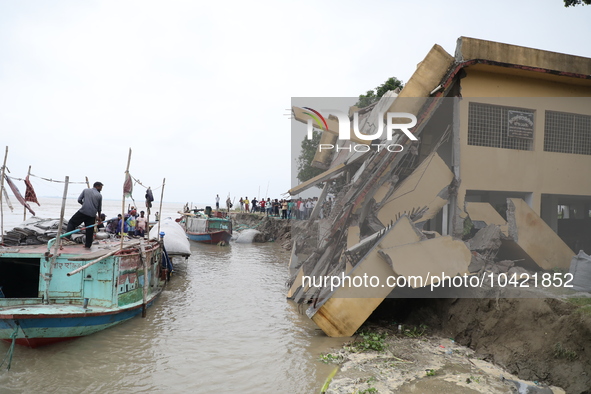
160,211
123,202
2,194
25,208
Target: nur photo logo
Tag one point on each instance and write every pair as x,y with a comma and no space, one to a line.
345,125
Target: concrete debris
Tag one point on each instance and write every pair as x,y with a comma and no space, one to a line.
487,239
431,234
533,239
483,214
505,265
425,188
477,263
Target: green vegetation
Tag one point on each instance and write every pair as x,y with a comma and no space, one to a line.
305,169
431,372
416,332
328,380
369,341
572,3
371,96
370,389
473,379
583,304
561,352
331,358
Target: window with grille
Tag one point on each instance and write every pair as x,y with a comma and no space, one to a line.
488,125
567,133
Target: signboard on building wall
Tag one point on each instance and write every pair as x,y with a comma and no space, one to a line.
520,124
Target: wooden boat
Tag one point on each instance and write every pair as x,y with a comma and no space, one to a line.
51,292
48,298
210,230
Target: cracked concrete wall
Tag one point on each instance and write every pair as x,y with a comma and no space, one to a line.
349,307
401,251
425,187
431,257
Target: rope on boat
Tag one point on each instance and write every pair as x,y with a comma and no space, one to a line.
10,352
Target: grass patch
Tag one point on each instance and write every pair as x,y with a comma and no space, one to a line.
416,332
561,352
580,301
583,304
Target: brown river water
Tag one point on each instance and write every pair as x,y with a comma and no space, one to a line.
222,325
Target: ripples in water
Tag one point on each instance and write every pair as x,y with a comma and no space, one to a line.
222,325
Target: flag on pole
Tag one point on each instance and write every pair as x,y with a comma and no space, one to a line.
128,185
18,194
30,192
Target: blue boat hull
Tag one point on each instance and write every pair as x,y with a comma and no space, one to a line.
34,330
210,238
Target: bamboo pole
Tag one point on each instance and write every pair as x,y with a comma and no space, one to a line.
146,284
160,211
87,183
123,202
2,194
25,208
97,260
159,221
58,243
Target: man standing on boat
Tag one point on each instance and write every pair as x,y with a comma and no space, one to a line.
91,200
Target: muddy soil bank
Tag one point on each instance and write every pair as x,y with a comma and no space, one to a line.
270,228
544,340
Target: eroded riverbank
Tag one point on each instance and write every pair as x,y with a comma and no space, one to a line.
543,340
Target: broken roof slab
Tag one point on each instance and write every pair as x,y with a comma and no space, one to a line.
535,240
487,214
425,189
401,251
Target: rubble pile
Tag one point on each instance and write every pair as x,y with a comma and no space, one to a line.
384,224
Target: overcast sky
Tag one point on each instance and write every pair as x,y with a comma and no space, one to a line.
198,89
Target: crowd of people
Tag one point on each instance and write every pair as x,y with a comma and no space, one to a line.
133,224
299,209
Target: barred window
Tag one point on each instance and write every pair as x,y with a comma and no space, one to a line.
567,133
488,125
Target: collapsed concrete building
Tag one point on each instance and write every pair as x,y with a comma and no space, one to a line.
501,158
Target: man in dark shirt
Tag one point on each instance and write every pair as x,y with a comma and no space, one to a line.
91,201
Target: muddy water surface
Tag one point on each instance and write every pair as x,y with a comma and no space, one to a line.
222,325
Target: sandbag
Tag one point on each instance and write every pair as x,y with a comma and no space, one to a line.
580,267
175,239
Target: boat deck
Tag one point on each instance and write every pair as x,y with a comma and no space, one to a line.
78,252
